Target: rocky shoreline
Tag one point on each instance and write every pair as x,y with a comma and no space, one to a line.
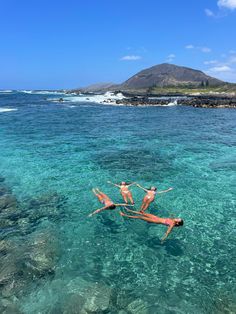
194,101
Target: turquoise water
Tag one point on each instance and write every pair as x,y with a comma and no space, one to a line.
68,148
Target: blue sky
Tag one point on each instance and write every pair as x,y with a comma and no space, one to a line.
68,44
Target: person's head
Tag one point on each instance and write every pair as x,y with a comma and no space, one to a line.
153,188
113,206
123,183
178,222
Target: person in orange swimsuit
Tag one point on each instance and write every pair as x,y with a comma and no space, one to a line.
150,196
170,222
104,199
124,191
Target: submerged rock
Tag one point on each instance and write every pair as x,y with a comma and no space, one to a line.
2,179
98,299
9,307
8,270
3,190
138,307
73,304
96,296
8,203
42,255
45,206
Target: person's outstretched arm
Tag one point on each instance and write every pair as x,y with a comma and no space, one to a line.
167,233
97,211
141,187
118,186
164,191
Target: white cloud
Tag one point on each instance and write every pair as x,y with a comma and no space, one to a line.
209,12
220,69
204,49
170,58
189,47
228,4
224,69
232,60
131,58
210,62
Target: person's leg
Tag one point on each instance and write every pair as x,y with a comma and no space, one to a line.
125,198
146,205
143,204
102,194
133,211
94,192
131,198
142,217
100,197
129,216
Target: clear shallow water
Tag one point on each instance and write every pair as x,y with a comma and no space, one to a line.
69,148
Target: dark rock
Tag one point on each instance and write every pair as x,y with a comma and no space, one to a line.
97,296
3,190
138,307
42,255
46,206
98,299
9,307
8,270
7,202
194,101
5,246
73,304
6,223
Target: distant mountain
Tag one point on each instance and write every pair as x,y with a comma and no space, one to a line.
96,88
165,74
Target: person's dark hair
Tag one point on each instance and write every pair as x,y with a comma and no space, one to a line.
152,188
112,206
180,223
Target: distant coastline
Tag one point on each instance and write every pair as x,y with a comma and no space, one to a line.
165,84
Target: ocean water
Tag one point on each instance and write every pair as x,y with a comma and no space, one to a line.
65,149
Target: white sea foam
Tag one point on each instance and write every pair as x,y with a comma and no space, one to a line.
41,92
174,103
108,98
26,91
6,91
7,109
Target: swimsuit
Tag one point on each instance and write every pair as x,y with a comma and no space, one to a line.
168,222
126,192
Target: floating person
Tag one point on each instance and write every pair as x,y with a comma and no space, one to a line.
150,196
124,191
170,222
104,199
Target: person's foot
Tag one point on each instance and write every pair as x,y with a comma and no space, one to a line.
122,214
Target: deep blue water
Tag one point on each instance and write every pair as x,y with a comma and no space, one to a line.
48,147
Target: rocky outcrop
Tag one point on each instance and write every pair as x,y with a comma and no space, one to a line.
194,101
